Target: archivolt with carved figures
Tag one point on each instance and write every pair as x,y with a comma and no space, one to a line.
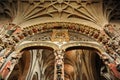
80,37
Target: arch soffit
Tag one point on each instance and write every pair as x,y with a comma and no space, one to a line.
64,46
26,44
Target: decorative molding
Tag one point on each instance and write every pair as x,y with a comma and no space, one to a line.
60,35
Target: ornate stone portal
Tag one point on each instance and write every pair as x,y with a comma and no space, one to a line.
60,40
53,41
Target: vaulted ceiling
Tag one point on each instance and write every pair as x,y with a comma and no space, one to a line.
95,13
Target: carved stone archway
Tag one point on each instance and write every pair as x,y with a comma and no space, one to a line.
59,36
31,25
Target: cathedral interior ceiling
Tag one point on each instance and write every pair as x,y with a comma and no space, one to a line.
79,20
88,12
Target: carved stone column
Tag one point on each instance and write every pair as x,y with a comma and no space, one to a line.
59,65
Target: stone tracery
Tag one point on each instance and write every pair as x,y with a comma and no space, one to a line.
12,35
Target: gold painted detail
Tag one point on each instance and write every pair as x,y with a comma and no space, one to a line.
60,35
